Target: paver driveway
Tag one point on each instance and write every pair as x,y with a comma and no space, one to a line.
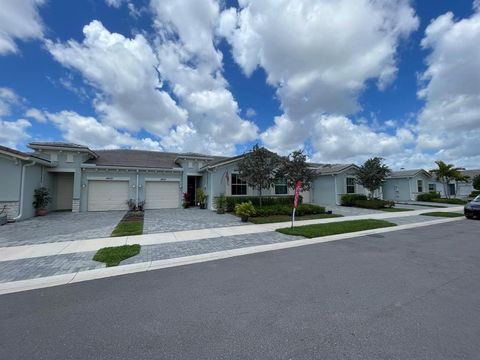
60,226
166,220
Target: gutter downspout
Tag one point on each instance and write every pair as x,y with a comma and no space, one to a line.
336,189
22,185
136,191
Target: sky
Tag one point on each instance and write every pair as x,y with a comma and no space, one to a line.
344,80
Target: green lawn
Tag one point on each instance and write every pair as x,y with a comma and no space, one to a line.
285,218
131,224
317,230
395,209
112,256
449,201
443,214
432,206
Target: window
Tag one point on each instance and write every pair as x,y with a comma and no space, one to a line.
281,187
419,186
239,187
432,187
69,157
190,164
53,157
350,185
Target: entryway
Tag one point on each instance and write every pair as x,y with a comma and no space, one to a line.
64,191
193,182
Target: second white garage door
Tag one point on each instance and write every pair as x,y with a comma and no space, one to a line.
107,195
161,195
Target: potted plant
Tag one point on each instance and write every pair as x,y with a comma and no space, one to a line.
220,202
186,200
42,199
201,197
245,210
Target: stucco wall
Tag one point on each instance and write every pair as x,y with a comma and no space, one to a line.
10,172
406,188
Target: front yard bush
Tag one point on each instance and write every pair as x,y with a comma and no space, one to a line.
428,196
302,209
349,199
374,204
231,201
474,193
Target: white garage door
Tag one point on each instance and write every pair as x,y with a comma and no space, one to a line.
107,195
161,195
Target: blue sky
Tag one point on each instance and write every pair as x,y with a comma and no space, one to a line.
344,80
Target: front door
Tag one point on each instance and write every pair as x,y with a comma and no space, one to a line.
191,188
451,189
64,193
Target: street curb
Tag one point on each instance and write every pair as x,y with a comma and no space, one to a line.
64,279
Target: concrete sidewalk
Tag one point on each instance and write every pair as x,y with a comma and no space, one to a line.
79,246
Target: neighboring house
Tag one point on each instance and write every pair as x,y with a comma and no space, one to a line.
333,181
20,175
461,189
406,185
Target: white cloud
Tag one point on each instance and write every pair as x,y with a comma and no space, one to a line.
130,95
190,62
89,131
114,3
250,113
19,20
36,114
12,133
449,124
8,98
319,54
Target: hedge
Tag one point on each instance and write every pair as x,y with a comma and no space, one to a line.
349,199
303,209
428,196
374,204
266,201
474,193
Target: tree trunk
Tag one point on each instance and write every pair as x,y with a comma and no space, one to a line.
260,196
445,189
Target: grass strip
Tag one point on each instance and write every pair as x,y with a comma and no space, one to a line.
443,214
285,218
131,224
317,230
112,256
395,209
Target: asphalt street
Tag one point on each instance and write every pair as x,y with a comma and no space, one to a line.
412,294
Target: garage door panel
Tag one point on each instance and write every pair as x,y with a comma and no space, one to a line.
107,195
161,195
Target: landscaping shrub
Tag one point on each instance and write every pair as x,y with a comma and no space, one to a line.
302,209
245,210
428,196
474,193
349,199
231,201
374,204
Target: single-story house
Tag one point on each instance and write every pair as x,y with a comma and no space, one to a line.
81,179
406,185
333,181
460,189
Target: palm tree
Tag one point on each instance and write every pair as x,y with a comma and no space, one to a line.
458,177
445,173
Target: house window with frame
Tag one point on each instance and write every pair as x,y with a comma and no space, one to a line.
419,186
281,187
432,187
350,185
239,186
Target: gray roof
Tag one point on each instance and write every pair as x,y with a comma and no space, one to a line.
407,173
331,168
61,145
23,155
471,173
222,159
135,158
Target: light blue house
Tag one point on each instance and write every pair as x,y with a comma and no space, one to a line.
406,185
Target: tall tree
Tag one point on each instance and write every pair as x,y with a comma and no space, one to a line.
372,174
476,182
458,177
445,173
294,168
258,168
